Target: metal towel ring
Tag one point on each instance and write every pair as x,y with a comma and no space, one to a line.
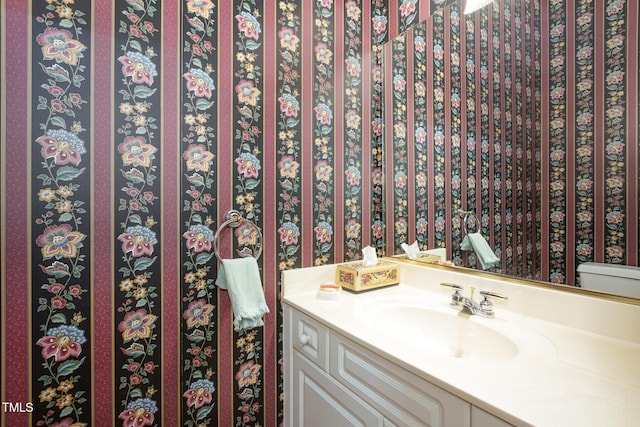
234,219
465,222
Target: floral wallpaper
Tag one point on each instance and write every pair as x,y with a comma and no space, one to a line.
61,226
549,166
131,127
465,135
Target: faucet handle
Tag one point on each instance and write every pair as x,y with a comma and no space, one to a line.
455,287
456,298
491,294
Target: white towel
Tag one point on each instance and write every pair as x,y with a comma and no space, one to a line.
475,242
241,277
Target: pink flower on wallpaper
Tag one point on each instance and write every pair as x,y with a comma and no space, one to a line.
198,313
353,66
379,24
289,105
139,67
419,43
248,165
400,179
352,176
138,240
407,7
139,413
202,8
60,241
323,114
288,167
247,93
198,238
63,146
324,232
248,374
249,25
200,393
199,82
288,39
377,229
323,171
352,119
60,45
353,11
135,151
289,233
377,127
198,157
323,53
137,325
62,343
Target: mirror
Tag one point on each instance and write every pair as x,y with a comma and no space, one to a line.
476,124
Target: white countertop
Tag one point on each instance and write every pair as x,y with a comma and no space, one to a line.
583,371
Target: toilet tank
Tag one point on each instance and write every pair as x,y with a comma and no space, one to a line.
610,278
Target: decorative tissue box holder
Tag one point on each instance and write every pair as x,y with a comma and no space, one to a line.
355,277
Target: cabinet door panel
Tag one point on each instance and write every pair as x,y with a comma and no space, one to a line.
319,401
405,399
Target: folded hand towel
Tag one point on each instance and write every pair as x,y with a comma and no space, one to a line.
241,277
477,243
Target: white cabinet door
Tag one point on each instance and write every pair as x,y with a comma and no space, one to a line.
403,398
319,401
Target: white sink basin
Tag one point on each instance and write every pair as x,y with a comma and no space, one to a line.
445,332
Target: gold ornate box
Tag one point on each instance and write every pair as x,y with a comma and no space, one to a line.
356,277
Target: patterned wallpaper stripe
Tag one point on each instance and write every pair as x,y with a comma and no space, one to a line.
170,183
584,129
421,120
248,185
103,370
398,157
470,122
3,191
323,132
139,319
379,34
16,228
225,168
289,161
354,74
339,127
61,326
453,107
199,388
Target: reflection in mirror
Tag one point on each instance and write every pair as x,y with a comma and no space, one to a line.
521,115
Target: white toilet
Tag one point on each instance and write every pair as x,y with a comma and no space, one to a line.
610,278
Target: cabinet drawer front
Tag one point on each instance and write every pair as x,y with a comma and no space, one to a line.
309,338
403,398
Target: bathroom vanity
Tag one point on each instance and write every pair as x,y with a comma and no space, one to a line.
402,356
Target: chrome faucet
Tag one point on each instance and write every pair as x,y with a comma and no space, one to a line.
468,305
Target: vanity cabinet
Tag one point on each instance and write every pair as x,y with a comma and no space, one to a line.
331,380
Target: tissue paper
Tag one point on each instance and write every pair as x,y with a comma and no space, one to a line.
412,251
369,256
